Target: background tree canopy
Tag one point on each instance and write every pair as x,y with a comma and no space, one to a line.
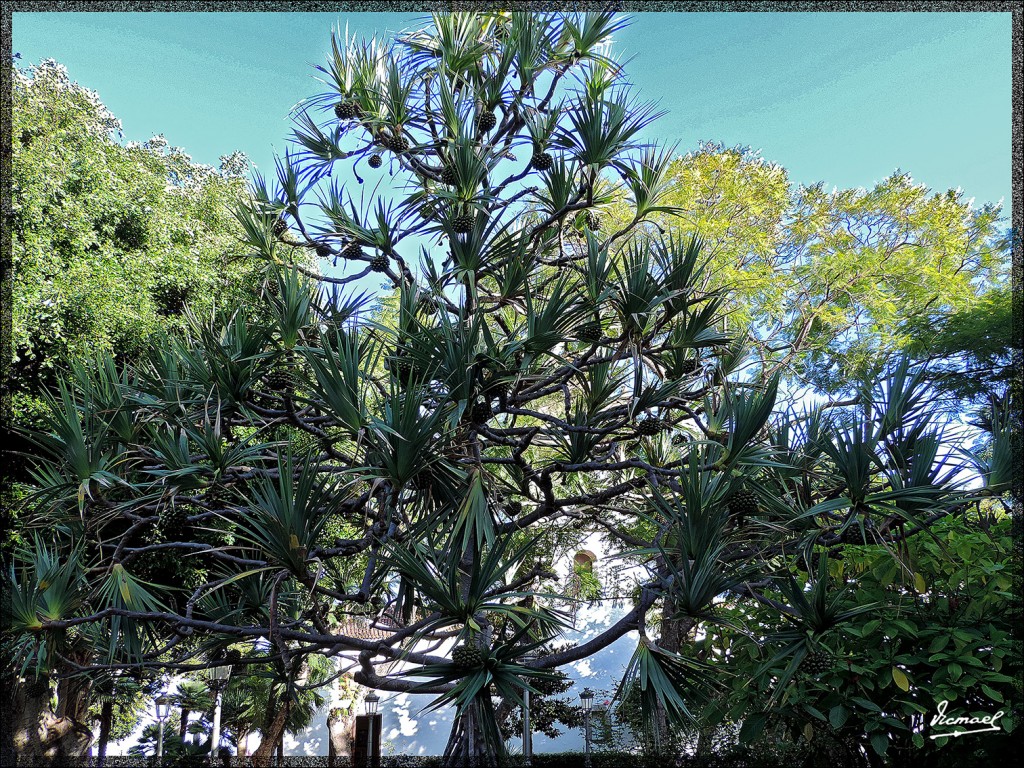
111,241
850,277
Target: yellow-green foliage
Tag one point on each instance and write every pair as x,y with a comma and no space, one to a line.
847,276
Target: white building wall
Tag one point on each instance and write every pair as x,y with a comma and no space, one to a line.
409,730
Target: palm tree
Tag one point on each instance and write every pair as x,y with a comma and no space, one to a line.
113,693
191,696
267,700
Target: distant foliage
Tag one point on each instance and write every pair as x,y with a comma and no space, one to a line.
111,241
849,277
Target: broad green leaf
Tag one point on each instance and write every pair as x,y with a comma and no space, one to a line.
752,727
900,679
838,716
865,703
880,743
992,693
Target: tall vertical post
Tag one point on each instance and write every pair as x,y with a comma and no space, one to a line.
163,709
369,744
371,703
587,700
218,679
215,734
527,730
586,738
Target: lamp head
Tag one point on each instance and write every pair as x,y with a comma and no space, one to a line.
163,707
371,702
587,699
219,676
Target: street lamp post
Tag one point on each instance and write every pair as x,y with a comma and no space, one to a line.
218,679
587,700
163,709
527,732
371,703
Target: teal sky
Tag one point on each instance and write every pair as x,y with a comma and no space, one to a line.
844,98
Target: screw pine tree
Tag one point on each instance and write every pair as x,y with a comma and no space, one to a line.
427,503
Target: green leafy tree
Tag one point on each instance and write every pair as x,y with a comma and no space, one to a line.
933,626
111,241
116,704
973,348
543,370
191,696
849,277
267,699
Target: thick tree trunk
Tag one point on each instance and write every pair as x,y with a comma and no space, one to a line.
341,733
673,632
243,736
183,726
264,753
43,737
106,718
467,747
73,698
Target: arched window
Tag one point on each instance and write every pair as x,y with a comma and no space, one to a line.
584,560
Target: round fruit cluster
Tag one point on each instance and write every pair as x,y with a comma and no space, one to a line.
400,364
649,426
397,143
467,656
482,411
352,250
590,331
743,502
279,381
347,110
462,224
485,121
816,663
500,388
541,160
173,520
